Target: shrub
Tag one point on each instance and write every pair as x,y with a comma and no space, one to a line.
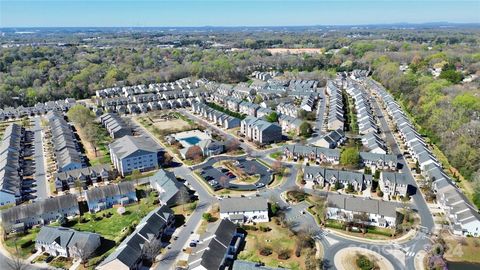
265,228
249,227
298,251
207,216
364,263
284,254
26,244
265,251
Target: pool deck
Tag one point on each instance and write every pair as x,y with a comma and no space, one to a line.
186,137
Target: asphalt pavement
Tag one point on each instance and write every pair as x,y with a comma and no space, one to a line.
40,169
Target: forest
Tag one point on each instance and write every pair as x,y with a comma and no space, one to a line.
446,107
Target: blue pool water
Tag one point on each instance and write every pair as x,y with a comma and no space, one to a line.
191,140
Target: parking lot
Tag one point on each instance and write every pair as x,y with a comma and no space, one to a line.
222,177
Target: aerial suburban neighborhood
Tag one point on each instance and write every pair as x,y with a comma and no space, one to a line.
242,147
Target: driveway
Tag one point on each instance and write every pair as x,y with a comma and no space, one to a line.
42,189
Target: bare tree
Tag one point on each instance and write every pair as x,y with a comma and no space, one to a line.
15,262
194,153
151,248
232,144
183,197
81,253
277,166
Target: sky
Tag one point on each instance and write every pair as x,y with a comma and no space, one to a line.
151,13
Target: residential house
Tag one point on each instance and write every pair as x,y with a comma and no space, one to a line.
41,212
115,125
65,145
327,178
104,197
318,155
260,130
130,153
83,177
130,253
332,139
289,123
11,158
66,242
394,184
244,209
361,210
372,142
220,243
168,188
378,161
248,108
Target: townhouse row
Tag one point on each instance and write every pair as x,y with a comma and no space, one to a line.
12,147
336,118
462,215
62,105
66,149
320,155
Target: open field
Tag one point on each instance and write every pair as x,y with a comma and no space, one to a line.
277,240
461,249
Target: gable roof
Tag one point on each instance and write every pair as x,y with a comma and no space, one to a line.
239,204
128,145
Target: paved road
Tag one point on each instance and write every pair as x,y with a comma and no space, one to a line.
171,255
420,205
42,191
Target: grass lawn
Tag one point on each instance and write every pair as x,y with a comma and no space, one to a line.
462,249
373,233
184,210
25,243
278,237
278,178
214,211
113,228
60,262
276,155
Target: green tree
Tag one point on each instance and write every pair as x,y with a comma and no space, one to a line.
451,76
305,129
258,99
272,117
207,217
136,175
350,157
80,115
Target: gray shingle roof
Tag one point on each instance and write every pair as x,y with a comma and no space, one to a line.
239,204
360,204
127,145
102,192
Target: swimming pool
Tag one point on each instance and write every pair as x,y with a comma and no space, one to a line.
191,140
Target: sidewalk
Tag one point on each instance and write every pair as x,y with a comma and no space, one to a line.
403,239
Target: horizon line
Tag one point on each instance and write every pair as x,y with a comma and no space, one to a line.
256,26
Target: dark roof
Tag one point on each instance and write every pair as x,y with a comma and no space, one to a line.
237,204
99,193
54,204
213,246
